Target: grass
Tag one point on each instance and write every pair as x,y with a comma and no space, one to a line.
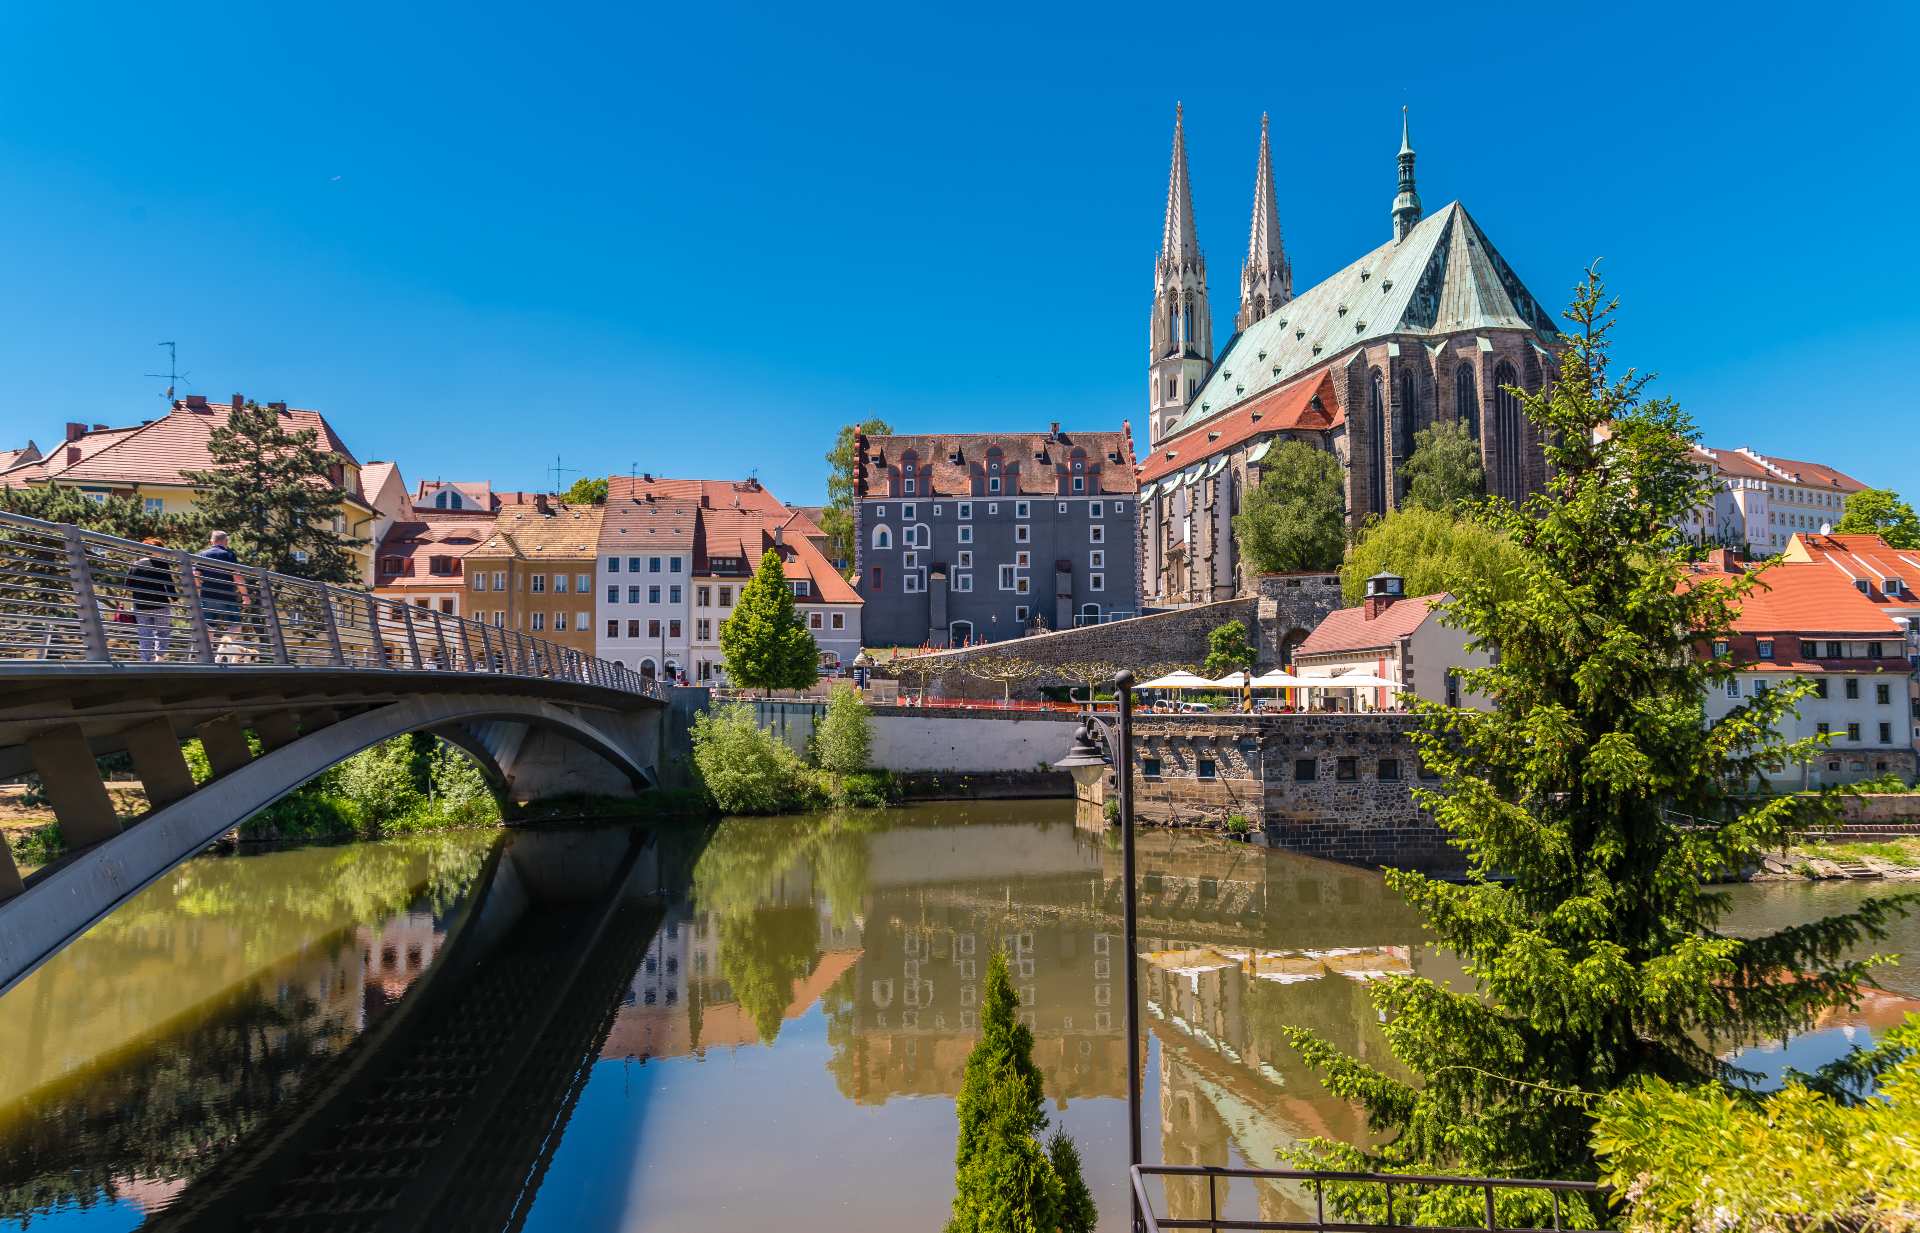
1900,850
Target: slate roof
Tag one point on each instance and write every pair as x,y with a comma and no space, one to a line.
1033,463
1309,402
1349,630
1444,278
562,533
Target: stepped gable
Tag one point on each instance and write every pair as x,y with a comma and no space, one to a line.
1035,464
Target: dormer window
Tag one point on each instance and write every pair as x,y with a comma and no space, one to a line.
1764,648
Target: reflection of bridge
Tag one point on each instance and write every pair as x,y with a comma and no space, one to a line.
310,673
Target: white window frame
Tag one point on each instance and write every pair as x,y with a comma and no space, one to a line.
910,582
964,511
1022,533
964,559
1094,510
993,509
936,511
539,622
1023,560
963,581
1119,507
1097,558
907,513
560,584
560,622
1009,577
909,560
839,620
906,485
583,584
882,538
1021,613
499,580
1021,585
1079,483
1096,533
539,584
1063,508
966,533
1096,582
1023,509
583,621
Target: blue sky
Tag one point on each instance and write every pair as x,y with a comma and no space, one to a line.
697,238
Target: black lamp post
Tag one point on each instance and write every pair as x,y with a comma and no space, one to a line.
1086,752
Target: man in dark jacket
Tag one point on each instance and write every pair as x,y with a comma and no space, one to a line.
151,583
219,592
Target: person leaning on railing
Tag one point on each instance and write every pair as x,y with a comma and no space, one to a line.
151,584
219,592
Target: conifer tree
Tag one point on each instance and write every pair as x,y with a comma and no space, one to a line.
271,488
764,642
1586,919
1004,1180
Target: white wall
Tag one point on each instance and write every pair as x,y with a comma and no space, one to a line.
933,742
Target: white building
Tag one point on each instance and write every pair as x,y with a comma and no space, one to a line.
644,584
1394,638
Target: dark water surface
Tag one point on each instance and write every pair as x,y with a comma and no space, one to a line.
759,1027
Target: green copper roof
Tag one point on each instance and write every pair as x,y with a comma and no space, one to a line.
1444,278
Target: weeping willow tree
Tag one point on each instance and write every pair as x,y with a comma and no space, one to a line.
1586,920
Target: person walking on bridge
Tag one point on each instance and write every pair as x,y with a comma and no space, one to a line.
219,592
151,584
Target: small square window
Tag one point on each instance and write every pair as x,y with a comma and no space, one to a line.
613,565
963,582
1306,770
1389,770
839,620
964,559
909,560
906,512
1346,770
907,486
1206,769
633,565
1023,559
1022,509
966,534
993,508
1150,767
1096,582
1097,559
1020,611
1062,509
1119,507
1097,533
964,510
1764,648
1022,533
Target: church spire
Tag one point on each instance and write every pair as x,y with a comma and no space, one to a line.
1406,206
1266,280
1180,334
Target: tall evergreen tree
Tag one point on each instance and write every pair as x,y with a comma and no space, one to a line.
271,488
1586,919
765,644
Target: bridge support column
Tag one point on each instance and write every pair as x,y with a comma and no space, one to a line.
226,745
11,883
155,749
72,779
277,729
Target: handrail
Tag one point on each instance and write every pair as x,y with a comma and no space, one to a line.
69,595
1319,1178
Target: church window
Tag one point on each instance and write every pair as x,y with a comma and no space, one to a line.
882,538
1404,417
1377,426
1506,423
1466,402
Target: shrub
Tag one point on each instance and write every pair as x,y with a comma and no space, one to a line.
866,788
744,769
1111,810
844,740
380,782
1237,824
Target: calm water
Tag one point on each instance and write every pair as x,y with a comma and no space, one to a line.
761,1027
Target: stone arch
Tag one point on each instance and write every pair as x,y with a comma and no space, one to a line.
1289,643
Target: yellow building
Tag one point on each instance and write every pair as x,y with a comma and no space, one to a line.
148,463
534,573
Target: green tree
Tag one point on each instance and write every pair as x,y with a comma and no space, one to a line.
1227,651
744,768
1004,1180
1880,511
586,491
121,516
1296,518
764,642
1003,670
1585,918
1433,552
1444,469
844,740
271,487
837,519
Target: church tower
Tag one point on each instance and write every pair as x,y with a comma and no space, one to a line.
1406,206
1181,334
1266,280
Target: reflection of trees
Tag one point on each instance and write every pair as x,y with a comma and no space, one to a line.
762,954
747,856
163,1114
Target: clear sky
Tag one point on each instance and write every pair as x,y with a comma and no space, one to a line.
696,238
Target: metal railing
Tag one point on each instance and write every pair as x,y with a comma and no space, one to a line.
1408,1185
74,596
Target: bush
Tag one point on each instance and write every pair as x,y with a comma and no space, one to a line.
744,769
380,782
1237,824
843,742
1111,810
866,788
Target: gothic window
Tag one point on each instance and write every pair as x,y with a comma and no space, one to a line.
882,538
1404,418
1377,430
1506,424
1466,401
1186,323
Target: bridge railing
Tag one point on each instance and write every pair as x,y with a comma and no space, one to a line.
75,596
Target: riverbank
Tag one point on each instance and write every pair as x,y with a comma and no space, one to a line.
1888,857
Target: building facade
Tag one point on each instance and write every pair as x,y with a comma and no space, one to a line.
1431,326
535,573
422,561
980,537
648,549
1396,638
1761,501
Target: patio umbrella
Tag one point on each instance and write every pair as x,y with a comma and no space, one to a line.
1277,679
1179,680
1355,680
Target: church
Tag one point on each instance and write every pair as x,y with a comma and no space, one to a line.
1432,325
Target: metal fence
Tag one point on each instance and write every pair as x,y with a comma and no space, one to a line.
74,596
1551,1199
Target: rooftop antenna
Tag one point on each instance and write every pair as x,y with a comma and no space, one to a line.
559,470
173,376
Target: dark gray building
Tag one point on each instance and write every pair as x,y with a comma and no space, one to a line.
972,537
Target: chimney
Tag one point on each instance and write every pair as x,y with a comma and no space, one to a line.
1383,589
779,537
541,503
1053,430
278,408
1723,560
99,427
75,431
196,402
239,401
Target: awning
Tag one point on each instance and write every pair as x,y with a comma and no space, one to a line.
1352,680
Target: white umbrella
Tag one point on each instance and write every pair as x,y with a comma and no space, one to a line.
1179,680
1277,679
1360,680
1233,680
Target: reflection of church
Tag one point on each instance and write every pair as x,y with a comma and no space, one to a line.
1431,326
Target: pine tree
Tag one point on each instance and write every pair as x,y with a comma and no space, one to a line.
272,490
1597,952
765,644
121,516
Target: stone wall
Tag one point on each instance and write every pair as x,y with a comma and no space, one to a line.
1178,637
911,739
1334,786
1290,605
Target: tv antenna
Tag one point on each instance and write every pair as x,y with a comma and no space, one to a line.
172,376
559,470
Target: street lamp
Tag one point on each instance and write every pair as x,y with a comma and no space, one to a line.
1086,751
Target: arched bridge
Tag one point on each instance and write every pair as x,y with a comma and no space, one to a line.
109,647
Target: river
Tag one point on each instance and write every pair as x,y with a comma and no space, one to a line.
759,1026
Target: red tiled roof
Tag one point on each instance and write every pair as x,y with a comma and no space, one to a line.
800,559
1808,597
1034,463
628,524
1306,402
712,494
87,443
748,534
160,451
1815,474
17,457
1349,630
444,534
375,474
1862,556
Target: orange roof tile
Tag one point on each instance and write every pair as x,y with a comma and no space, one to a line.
444,534
712,494
1349,630
544,531
1808,597
160,451
1307,402
630,524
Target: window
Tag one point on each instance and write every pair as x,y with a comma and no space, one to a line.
1150,768
813,621
910,581
1093,509
673,594
653,628
613,629
1820,687
1764,648
1833,650
839,620
583,583
653,565
909,560
539,621
964,510
963,582
876,579
907,486
1881,694
1206,769
1822,729
613,565
936,510
1007,577
966,534
154,505
1020,612
1097,533
1062,509
1719,648
559,584
1346,770
499,581
1853,687
879,511
1886,734
726,597
673,629
653,594
1022,509
1079,483
1097,559
802,587
1853,732
1119,507
703,629
479,582
1022,533
613,595
559,622
1020,585
633,629
499,620
1096,582
1389,770
993,508
703,597
964,559
1873,650
1306,770
993,481
539,583
908,512
1022,559
882,538
633,565
633,595
673,565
